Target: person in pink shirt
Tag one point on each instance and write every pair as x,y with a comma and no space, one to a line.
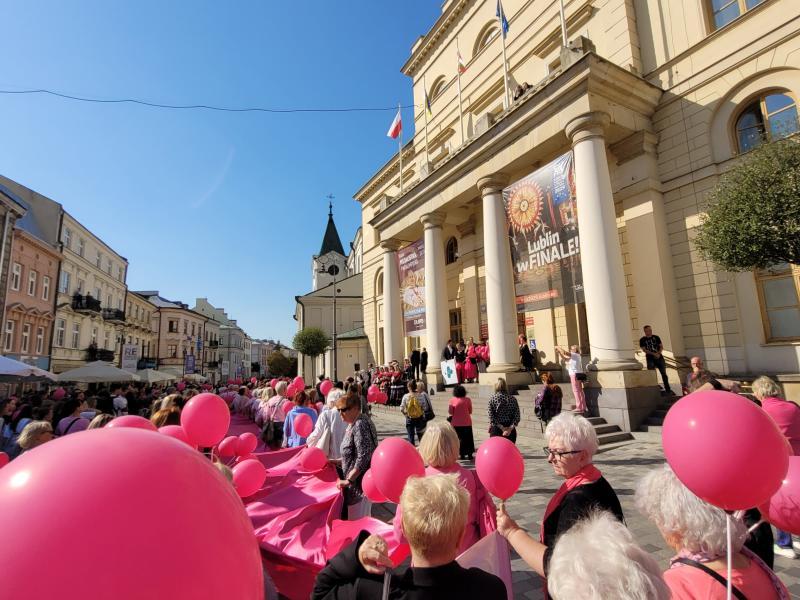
460,409
439,448
696,530
786,415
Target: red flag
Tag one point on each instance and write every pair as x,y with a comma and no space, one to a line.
396,126
461,66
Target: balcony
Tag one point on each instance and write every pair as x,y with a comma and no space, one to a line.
85,304
213,344
114,314
212,364
94,353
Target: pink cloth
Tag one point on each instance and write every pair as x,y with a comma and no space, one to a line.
577,391
344,532
470,369
271,409
786,415
460,409
688,583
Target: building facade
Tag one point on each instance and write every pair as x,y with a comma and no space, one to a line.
211,360
651,107
141,331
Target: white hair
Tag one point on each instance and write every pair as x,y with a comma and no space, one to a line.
685,520
333,396
280,389
574,430
764,387
625,571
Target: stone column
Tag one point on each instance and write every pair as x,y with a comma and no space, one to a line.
436,323
610,339
392,318
500,306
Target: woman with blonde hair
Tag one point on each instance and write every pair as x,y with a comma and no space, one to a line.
35,434
100,421
503,412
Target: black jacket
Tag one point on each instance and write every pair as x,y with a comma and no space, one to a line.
448,353
423,360
415,357
343,578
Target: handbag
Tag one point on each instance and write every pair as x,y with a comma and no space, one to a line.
429,414
581,376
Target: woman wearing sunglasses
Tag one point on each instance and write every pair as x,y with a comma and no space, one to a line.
360,441
571,445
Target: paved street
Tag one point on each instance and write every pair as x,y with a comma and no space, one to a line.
622,467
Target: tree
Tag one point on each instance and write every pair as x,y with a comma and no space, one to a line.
312,342
753,220
279,365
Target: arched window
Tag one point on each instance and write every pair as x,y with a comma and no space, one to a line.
437,87
767,118
451,251
379,284
487,34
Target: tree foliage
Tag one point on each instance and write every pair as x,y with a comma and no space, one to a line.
753,219
279,365
311,341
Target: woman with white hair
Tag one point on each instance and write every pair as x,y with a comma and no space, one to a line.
697,531
434,515
571,444
35,434
329,429
626,571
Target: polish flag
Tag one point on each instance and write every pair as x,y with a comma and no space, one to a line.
461,66
396,126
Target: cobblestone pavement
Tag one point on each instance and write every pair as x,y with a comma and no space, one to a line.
622,467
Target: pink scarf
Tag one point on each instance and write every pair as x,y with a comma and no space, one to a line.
588,474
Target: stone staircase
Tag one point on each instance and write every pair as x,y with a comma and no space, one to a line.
529,432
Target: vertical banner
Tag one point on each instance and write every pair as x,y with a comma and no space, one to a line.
542,217
188,364
411,268
130,357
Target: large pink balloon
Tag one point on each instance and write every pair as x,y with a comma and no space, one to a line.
227,447
394,461
118,471
132,421
273,382
4,459
371,489
381,398
303,425
177,432
247,443
325,387
248,477
287,406
205,419
299,383
500,467
783,509
372,392
725,449
312,459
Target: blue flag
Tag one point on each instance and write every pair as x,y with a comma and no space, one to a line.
502,17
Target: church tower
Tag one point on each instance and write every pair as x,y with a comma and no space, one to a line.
330,254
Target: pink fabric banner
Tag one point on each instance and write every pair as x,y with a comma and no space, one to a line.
491,555
344,532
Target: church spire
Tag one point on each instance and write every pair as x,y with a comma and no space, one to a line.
331,242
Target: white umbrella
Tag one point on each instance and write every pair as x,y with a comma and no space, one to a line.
97,372
15,370
153,376
195,377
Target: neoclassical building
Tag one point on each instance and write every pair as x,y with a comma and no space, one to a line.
650,102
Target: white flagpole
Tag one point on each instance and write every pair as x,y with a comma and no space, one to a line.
400,149
563,24
505,64
425,108
458,74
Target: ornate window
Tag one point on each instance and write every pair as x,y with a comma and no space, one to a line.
437,87
778,293
767,118
487,34
451,251
725,11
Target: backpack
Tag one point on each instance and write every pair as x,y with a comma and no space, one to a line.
413,408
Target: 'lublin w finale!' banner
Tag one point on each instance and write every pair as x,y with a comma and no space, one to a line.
542,217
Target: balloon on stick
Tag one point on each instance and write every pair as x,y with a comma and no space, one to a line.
500,467
783,509
134,421
394,461
325,387
371,489
312,459
248,477
303,425
247,442
177,432
205,419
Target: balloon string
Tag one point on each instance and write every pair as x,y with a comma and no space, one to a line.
386,578
754,527
730,556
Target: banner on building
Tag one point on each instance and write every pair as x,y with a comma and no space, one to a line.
188,364
411,268
542,217
225,368
130,357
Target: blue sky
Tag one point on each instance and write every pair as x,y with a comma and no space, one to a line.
223,205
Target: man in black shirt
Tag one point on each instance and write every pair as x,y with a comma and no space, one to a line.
415,360
423,361
653,348
449,351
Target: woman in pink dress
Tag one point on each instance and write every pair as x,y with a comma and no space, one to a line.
460,409
471,365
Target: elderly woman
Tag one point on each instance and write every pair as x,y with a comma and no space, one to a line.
439,449
697,532
273,417
503,412
625,571
35,434
571,444
360,441
434,515
329,430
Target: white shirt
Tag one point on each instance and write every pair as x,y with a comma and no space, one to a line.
121,405
331,420
574,363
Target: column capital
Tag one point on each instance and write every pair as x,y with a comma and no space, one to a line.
433,219
390,245
492,183
586,126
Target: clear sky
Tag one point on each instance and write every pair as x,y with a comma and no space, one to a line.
205,204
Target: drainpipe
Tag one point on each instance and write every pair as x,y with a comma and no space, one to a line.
2,265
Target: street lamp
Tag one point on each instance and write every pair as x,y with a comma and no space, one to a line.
333,271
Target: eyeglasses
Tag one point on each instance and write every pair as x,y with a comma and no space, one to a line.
342,410
559,454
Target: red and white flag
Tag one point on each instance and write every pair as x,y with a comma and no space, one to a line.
396,126
462,67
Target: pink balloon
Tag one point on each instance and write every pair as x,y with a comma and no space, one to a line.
325,387
725,449
113,472
381,398
248,477
272,383
247,443
300,383
4,459
177,432
205,419
134,421
303,425
783,509
394,461
59,394
371,489
253,380
500,467
287,406
312,459
181,386
227,447
372,391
